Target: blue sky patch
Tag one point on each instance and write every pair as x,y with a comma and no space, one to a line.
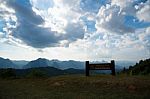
132,21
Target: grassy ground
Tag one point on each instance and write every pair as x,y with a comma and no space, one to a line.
77,87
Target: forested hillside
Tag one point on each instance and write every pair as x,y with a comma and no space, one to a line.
141,68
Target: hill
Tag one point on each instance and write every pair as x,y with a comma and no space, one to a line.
6,63
40,62
38,72
141,68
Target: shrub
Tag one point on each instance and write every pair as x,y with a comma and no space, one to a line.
36,74
8,73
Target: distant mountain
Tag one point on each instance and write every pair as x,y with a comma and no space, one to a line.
6,63
20,63
122,64
40,62
71,64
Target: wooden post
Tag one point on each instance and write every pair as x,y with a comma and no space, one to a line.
113,67
87,68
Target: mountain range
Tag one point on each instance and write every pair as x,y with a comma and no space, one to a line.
42,62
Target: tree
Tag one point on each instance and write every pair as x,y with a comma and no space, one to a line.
36,74
8,73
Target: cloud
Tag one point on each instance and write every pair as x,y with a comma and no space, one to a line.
92,49
127,6
64,17
136,8
42,4
143,14
74,31
90,5
28,29
144,37
89,29
111,19
31,29
25,11
36,36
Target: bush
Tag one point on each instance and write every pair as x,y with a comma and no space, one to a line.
36,74
7,73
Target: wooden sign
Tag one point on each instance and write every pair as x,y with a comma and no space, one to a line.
104,66
101,66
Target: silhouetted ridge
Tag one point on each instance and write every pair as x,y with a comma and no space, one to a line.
6,63
40,62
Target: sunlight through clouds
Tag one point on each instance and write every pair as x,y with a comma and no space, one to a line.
76,29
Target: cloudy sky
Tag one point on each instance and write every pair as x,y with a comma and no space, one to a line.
75,29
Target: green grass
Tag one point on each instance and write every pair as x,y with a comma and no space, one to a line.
77,87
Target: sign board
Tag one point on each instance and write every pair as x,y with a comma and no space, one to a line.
100,66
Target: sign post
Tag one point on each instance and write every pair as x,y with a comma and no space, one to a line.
87,68
113,67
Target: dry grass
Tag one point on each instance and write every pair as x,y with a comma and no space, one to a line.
77,87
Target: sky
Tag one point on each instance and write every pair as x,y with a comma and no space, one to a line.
75,29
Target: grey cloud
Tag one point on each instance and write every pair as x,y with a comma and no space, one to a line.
74,31
35,36
25,12
31,33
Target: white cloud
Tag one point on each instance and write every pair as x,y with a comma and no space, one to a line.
140,10
121,3
64,17
48,23
127,6
111,19
1,35
42,4
144,12
144,37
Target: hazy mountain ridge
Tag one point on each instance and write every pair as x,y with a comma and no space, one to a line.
20,63
6,63
42,62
